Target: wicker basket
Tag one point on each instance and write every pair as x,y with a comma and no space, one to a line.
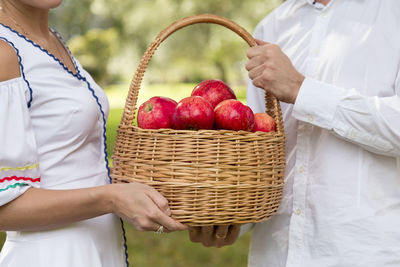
209,177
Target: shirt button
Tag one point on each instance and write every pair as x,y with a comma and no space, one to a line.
324,14
310,118
301,169
298,212
316,51
353,134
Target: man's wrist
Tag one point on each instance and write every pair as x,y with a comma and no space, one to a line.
297,86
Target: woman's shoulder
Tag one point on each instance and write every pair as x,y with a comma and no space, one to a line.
9,63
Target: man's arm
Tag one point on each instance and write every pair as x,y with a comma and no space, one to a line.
371,122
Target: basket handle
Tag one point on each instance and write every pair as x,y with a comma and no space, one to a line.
130,104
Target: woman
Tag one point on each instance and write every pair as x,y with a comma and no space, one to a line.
56,203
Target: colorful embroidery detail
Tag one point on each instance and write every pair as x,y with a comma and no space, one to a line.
19,178
14,186
28,167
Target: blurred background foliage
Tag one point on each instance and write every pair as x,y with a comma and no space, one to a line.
109,37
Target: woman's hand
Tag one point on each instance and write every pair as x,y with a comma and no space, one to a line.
214,236
270,69
143,206
43,209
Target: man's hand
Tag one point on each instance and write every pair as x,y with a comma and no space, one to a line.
214,236
270,69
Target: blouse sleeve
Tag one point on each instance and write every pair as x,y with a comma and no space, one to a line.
19,166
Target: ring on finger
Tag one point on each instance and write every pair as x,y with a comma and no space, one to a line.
160,230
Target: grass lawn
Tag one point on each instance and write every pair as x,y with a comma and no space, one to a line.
174,249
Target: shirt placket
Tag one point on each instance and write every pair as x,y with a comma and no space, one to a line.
296,244
296,228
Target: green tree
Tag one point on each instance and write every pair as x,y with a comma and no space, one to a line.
95,50
192,54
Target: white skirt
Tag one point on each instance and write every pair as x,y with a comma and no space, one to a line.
96,242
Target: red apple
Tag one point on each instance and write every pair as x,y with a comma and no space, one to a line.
214,91
264,122
193,113
233,115
156,113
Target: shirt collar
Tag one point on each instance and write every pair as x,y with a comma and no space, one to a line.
319,5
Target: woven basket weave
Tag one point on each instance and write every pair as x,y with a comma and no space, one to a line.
209,177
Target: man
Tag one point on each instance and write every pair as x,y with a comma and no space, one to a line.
335,67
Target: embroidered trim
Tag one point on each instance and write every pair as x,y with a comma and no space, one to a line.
14,186
125,245
22,68
44,50
104,123
20,178
28,167
67,49
81,78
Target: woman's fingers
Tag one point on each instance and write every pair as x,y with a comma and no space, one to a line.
144,207
162,211
147,225
162,219
153,218
159,200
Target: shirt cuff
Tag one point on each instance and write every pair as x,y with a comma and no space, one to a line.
316,103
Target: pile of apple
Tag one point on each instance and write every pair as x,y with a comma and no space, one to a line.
212,105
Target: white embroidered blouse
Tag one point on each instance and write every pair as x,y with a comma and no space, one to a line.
52,135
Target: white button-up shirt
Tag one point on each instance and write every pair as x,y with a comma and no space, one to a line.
341,203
